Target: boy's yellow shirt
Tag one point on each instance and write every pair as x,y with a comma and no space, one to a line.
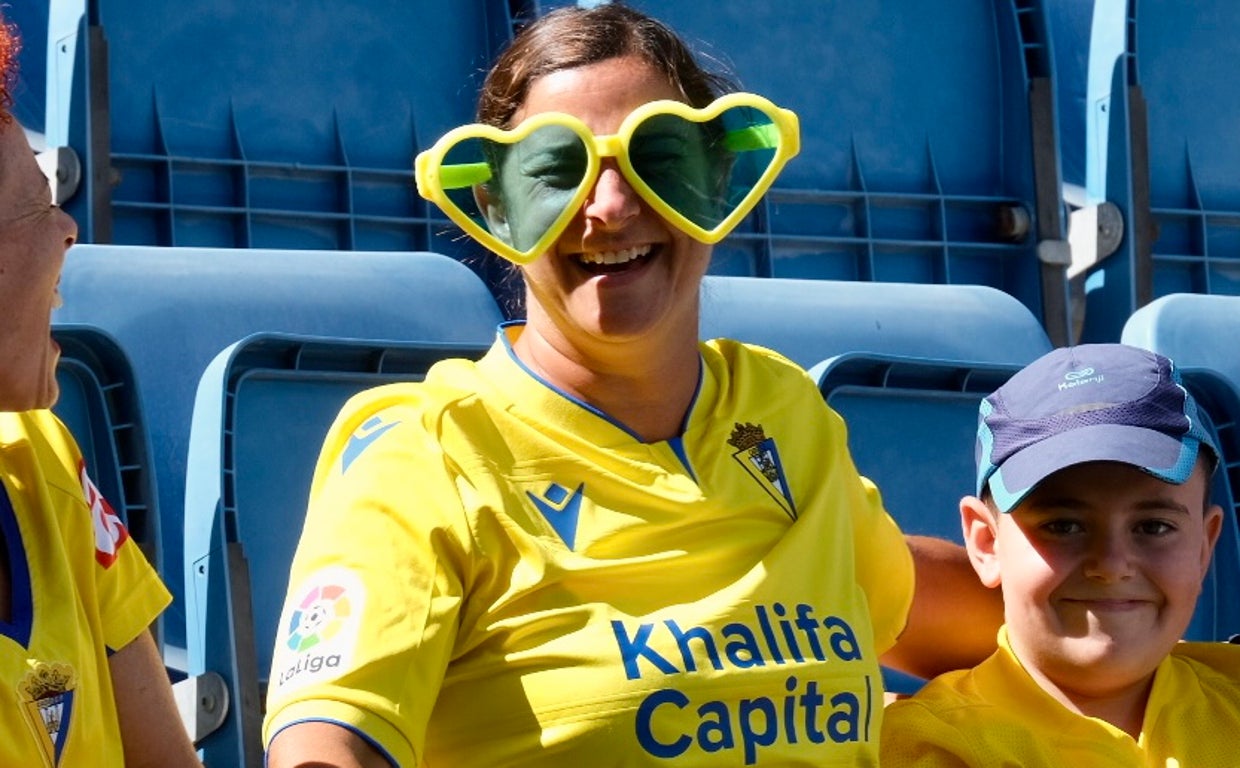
996,715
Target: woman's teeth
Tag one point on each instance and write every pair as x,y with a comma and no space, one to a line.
616,257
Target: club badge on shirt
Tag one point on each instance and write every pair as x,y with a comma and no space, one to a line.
759,455
46,696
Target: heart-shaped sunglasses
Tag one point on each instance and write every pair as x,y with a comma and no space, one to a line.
515,191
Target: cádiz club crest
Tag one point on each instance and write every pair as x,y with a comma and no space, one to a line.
46,695
759,456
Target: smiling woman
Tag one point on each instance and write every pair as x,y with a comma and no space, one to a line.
606,542
81,681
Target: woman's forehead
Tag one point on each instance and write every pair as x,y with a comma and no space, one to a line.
601,94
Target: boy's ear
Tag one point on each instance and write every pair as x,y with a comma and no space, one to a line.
1213,526
492,210
981,530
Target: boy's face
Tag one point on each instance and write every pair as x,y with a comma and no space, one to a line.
1100,567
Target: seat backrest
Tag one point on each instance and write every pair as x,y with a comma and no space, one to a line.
1195,330
912,426
99,403
1198,332
255,123
1171,157
173,309
928,134
811,320
262,410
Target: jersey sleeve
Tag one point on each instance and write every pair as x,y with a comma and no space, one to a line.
130,593
375,589
883,562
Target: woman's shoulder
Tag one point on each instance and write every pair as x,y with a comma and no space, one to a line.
743,357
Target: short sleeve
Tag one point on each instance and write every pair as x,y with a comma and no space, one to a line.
370,618
129,592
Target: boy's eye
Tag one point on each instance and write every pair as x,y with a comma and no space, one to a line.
1154,527
1062,527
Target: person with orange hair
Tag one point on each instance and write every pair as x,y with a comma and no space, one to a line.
81,680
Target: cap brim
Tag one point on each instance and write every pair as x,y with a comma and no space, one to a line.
1163,456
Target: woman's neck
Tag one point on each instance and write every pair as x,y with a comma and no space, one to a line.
647,387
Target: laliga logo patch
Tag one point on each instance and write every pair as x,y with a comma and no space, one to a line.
321,626
759,456
46,695
110,532
319,617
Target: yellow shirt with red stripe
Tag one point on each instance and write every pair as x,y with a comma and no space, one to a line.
80,589
492,573
996,714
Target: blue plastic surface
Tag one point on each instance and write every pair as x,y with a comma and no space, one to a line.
252,123
263,408
912,426
1177,185
173,309
917,137
99,403
295,127
811,320
1199,333
1195,330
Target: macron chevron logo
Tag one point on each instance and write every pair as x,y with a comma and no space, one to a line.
360,440
560,508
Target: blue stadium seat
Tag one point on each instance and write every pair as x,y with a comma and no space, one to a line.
99,403
1195,330
811,320
1198,332
929,142
256,123
263,407
1167,139
173,309
912,427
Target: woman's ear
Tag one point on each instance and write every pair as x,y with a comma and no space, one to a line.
981,532
492,210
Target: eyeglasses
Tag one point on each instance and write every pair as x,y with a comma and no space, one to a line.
515,191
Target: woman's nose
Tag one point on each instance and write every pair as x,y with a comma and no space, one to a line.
613,202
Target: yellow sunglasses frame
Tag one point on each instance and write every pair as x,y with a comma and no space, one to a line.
433,177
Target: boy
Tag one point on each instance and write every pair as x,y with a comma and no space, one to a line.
1093,517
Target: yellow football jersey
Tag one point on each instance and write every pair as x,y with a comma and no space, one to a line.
996,714
80,589
492,573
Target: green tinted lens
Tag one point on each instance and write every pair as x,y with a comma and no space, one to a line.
464,166
536,180
680,161
529,183
704,170
750,139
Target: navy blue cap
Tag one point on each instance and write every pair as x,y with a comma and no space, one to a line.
1093,402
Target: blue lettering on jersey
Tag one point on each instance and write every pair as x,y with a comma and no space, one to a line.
804,713
773,635
371,430
560,509
743,645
